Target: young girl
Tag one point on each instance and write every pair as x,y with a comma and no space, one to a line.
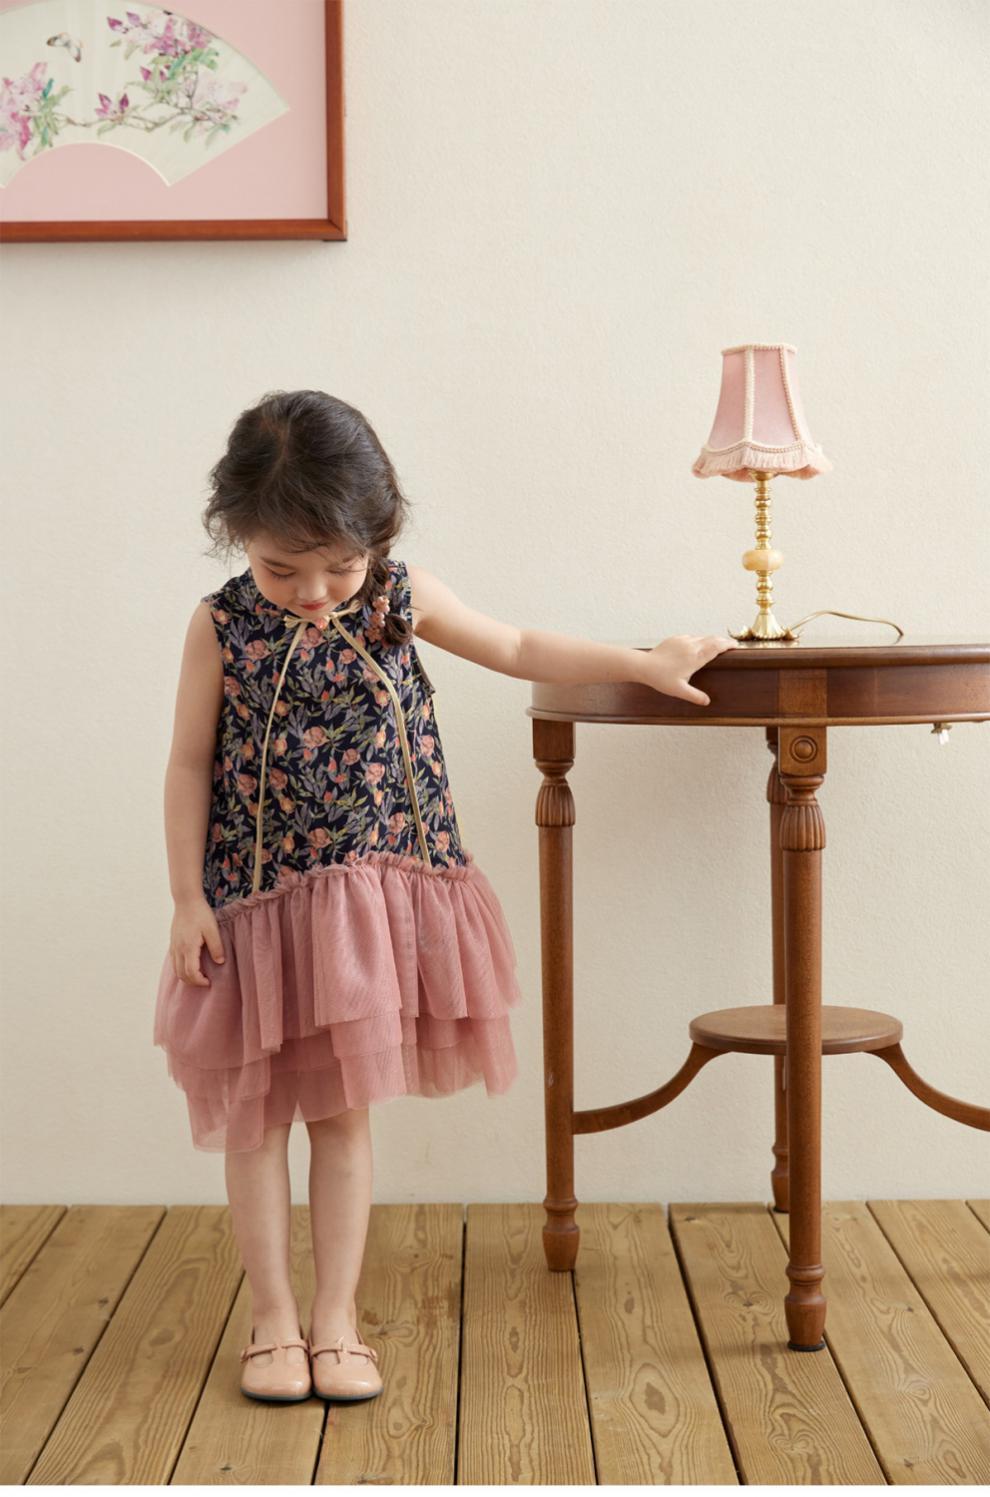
334,943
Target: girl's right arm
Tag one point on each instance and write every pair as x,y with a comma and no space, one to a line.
188,788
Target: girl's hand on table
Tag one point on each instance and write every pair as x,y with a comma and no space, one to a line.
669,664
192,924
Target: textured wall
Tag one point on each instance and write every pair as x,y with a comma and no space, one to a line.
560,211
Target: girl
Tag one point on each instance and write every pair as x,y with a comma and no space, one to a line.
334,943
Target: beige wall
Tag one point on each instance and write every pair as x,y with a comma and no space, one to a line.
560,211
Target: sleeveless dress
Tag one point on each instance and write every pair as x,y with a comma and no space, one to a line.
366,953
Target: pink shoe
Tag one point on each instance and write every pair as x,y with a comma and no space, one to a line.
280,1381
348,1379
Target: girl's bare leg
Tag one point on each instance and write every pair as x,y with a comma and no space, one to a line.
259,1192
339,1204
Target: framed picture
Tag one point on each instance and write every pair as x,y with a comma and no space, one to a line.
129,121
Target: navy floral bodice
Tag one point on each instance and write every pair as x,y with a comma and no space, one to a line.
327,749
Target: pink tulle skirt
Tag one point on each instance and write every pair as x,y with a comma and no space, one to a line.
348,985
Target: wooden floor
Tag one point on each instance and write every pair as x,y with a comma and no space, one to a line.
661,1359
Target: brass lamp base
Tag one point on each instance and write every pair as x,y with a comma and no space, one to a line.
764,626
764,561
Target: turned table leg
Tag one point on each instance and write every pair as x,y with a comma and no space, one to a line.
553,750
801,766
777,797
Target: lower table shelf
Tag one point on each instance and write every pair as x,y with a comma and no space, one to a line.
760,1029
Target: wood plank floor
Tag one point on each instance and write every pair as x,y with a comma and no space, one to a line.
661,1359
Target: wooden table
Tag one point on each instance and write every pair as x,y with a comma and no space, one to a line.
795,692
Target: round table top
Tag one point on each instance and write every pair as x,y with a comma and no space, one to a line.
808,681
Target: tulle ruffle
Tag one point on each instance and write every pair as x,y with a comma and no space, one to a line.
345,986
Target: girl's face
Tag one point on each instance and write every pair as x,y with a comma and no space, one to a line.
306,582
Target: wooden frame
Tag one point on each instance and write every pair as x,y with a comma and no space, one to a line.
332,226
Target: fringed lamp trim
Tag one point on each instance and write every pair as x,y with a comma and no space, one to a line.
803,460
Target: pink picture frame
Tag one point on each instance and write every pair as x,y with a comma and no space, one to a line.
136,122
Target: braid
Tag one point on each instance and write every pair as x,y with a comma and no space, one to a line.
386,625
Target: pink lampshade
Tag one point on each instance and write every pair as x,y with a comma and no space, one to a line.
760,422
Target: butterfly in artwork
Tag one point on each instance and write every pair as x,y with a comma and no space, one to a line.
63,39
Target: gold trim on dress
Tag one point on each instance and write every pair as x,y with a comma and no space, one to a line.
400,722
291,618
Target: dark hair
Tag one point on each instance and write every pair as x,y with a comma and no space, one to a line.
308,469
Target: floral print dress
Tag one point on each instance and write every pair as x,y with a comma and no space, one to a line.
366,954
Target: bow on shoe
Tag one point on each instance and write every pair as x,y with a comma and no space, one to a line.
254,1350
339,1347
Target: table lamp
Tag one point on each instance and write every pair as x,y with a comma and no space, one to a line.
759,432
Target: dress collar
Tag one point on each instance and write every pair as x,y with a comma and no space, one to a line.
319,620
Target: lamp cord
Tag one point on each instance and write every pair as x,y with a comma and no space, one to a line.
839,615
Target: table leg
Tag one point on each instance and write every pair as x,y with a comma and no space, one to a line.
777,796
553,750
801,766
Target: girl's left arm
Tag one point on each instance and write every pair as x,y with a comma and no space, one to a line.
441,618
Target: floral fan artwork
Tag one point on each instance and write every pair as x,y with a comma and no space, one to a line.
149,81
